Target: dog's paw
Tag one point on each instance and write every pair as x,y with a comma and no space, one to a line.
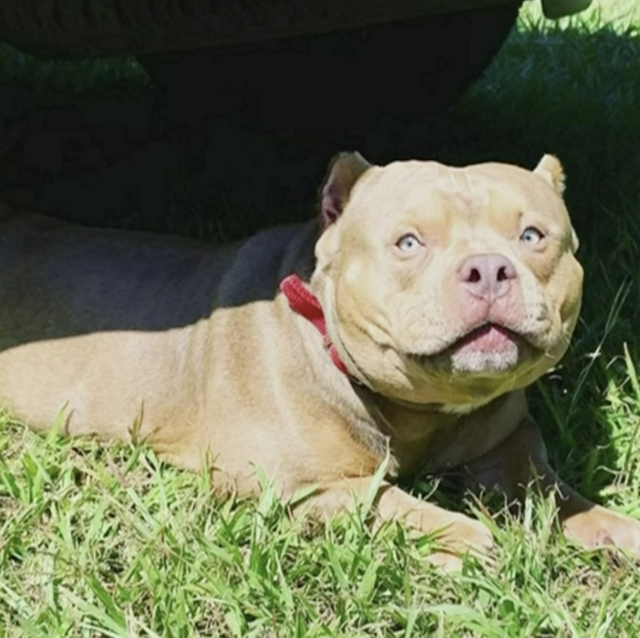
599,527
446,561
464,535
455,536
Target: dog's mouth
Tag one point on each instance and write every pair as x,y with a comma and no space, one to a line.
489,348
490,337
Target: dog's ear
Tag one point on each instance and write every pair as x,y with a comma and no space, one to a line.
575,242
344,172
550,169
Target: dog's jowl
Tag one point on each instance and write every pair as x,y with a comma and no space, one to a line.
404,323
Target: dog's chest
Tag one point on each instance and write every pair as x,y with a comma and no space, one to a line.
436,441
428,444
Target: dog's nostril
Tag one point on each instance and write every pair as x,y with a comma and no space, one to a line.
486,271
474,276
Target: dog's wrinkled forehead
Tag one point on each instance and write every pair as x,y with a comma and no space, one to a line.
434,189
406,184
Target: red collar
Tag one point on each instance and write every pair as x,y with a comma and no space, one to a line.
307,305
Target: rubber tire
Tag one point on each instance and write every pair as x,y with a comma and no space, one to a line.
342,85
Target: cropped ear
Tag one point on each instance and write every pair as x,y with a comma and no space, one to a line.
344,171
550,169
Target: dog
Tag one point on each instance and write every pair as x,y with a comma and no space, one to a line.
401,326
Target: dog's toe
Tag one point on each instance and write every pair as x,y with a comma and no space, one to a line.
598,527
461,537
446,561
465,534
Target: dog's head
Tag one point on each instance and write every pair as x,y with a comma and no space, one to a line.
447,285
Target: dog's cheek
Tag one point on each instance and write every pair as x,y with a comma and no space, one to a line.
327,247
568,285
364,321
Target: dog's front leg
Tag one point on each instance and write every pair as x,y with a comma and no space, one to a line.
456,533
522,460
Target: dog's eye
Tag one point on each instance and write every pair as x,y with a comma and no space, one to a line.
408,243
531,236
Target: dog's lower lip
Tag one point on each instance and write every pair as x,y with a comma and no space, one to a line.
470,336
483,331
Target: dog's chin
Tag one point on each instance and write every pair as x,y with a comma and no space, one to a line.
469,361
488,351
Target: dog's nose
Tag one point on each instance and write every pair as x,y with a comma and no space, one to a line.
487,276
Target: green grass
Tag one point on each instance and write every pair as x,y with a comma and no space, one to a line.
108,542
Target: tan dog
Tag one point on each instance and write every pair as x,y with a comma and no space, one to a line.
436,296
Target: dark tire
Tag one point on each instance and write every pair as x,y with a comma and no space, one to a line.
342,85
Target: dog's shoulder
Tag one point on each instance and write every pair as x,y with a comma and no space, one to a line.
260,263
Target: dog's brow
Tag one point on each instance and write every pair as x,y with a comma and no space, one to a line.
454,179
402,182
406,180
472,192
424,173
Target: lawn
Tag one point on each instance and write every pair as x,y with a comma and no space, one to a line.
109,542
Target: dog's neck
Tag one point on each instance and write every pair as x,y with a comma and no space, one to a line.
307,305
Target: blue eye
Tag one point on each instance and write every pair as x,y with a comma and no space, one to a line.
531,236
408,243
